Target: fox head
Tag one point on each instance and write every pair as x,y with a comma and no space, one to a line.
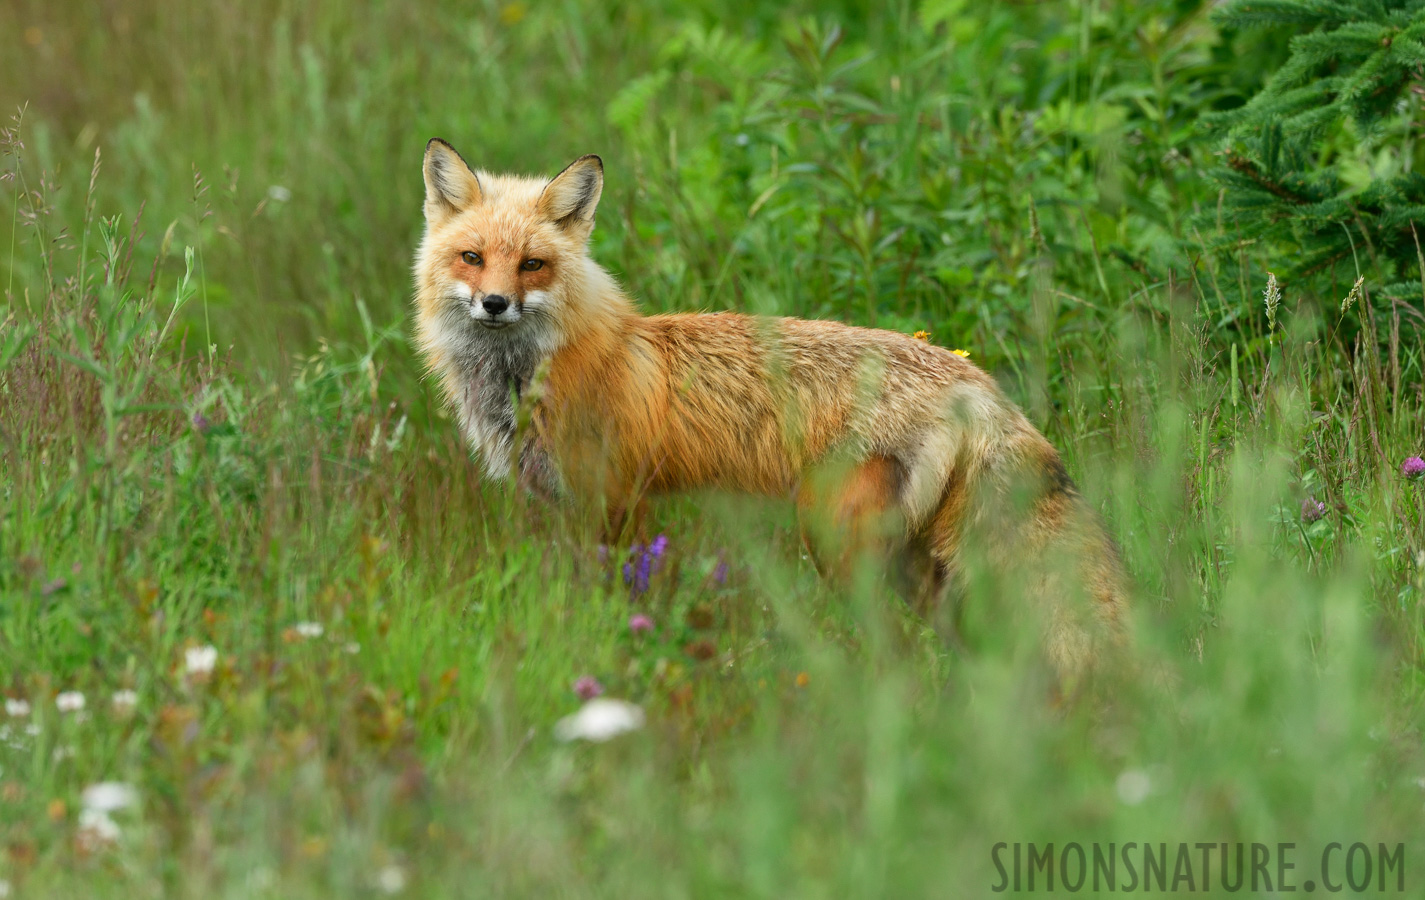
504,261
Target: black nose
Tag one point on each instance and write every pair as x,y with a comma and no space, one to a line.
495,304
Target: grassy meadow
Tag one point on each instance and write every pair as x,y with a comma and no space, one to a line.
249,572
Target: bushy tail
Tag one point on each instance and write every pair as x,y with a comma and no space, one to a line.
1019,527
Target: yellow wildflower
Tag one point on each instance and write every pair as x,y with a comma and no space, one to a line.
922,335
958,352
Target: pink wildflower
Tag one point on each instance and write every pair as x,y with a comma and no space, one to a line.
588,687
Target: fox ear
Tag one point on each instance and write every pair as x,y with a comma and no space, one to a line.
450,185
571,197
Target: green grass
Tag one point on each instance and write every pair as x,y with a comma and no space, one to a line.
1018,179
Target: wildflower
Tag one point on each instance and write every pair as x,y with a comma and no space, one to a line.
599,720
1414,467
96,830
279,193
588,687
199,662
922,335
124,702
963,353
1133,786
11,738
1273,297
69,701
1312,510
803,679
4,889
638,623
309,630
200,423
109,796
16,708
638,571
53,587
511,14
391,879
352,647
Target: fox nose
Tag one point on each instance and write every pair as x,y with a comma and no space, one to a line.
495,304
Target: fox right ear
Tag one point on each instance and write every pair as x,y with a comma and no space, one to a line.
451,187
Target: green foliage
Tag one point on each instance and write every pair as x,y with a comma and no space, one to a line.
213,434
1321,162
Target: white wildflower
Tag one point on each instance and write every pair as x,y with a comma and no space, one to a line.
125,701
16,708
599,720
352,647
279,193
108,796
96,829
69,701
391,879
309,630
1133,787
200,661
4,889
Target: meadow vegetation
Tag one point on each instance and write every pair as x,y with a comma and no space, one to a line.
248,570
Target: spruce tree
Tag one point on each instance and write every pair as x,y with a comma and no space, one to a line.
1321,168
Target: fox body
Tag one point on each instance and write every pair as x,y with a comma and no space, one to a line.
879,433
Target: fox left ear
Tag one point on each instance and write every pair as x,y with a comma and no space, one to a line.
451,187
570,199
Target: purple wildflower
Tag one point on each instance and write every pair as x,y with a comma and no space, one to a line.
638,571
720,572
1312,510
659,546
201,423
1414,467
638,623
588,687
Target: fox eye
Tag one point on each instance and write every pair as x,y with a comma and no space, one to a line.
531,265
471,257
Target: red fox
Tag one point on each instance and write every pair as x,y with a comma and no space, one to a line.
885,436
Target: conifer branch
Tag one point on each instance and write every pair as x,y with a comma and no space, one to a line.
1242,164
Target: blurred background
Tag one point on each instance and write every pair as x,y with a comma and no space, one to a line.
884,166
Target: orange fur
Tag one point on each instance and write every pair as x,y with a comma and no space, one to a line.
873,428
